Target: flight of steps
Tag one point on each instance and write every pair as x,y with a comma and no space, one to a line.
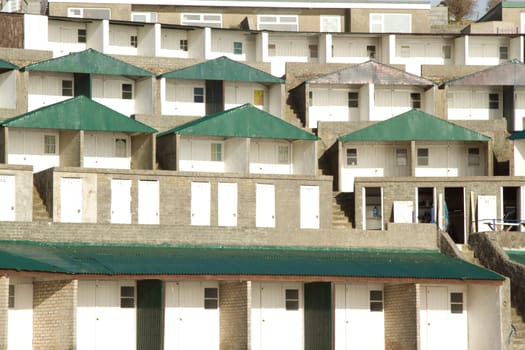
341,204
468,253
517,340
39,209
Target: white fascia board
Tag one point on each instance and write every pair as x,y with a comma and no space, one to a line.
260,4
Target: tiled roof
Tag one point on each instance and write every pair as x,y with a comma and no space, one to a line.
511,73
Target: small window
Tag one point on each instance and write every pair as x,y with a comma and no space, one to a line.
49,144
456,303
351,156
133,40
474,158
503,53
371,51
198,95
376,300
493,101
127,91
310,97
283,156
183,44
401,157
121,148
271,49
405,51
81,35
353,99
11,297
292,299
422,156
216,152
211,298
415,100
447,51
67,87
127,297
258,97
237,48
314,51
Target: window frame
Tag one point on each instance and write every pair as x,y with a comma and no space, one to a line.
457,306
473,158
211,298
313,50
376,300
446,51
503,52
283,151
371,51
11,301
376,19
291,299
118,149
67,90
423,155
237,48
216,150
493,102
198,94
82,35
202,21
415,100
127,91
127,301
183,44
134,41
47,145
351,154
401,157
267,25
353,99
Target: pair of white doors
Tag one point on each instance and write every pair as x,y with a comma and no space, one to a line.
201,203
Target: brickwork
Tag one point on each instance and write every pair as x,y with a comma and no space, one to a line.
4,292
13,24
54,310
401,320
233,305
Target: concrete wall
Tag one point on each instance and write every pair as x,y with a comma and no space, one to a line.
360,19
401,320
12,23
234,321
23,189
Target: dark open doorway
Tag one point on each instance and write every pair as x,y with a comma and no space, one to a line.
511,197
455,201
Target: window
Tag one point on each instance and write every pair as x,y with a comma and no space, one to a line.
278,22
127,91
474,157
456,303
211,298
81,35
447,51
371,51
503,53
422,156
183,44
353,99
121,148
405,51
401,157
11,297
390,23
237,48
310,97
216,152
292,299
271,49
313,51
133,40
212,20
127,297
67,87
198,95
351,156
49,144
282,154
415,100
149,17
330,24
258,97
98,13
376,300
493,101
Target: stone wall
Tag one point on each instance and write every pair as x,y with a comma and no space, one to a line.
401,320
234,320
4,293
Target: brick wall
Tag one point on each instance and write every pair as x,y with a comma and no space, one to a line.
4,292
54,309
233,305
401,320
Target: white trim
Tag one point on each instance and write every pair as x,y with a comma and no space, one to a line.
201,21
82,9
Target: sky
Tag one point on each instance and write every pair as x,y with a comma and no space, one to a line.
480,10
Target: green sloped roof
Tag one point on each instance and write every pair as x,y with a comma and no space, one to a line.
516,256
78,113
414,125
243,121
510,73
4,65
90,62
517,136
71,258
223,68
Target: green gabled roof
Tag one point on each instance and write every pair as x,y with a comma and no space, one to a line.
516,256
71,258
414,125
78,113
517,136
510,73
4,65
223,68
243,121
90,62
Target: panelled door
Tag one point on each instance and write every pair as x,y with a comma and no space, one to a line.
200,203
265,205
309,207
120,201
227,204
7,199
148,202
70,200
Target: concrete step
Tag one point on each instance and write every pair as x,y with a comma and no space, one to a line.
339,218
40,212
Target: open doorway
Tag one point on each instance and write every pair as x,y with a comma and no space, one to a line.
425,205
373,208
455,202
511,205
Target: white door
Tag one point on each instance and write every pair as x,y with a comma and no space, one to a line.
487,212
7,199
120,201
20,316
309,206
200,203
227,204
148,202
70,200
265,205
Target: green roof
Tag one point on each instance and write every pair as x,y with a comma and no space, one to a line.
517,136
516,256
243,121
4,65
414,125
90,62
78,113
223,68
71,258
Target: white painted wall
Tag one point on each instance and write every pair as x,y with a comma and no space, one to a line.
519,108
8,198
8,89
20,317
97,37
519,158
195,155
196,43
119,40
331,105
63,37
222,45
352,49
107,90
287,49
416,51
304,157
35,32
484,317
236,155
178,97
170,45
264,157
472,103
45,88
100,150
484,50
392,101
26,147
461,49
237,93
274,104
147,40
143,96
